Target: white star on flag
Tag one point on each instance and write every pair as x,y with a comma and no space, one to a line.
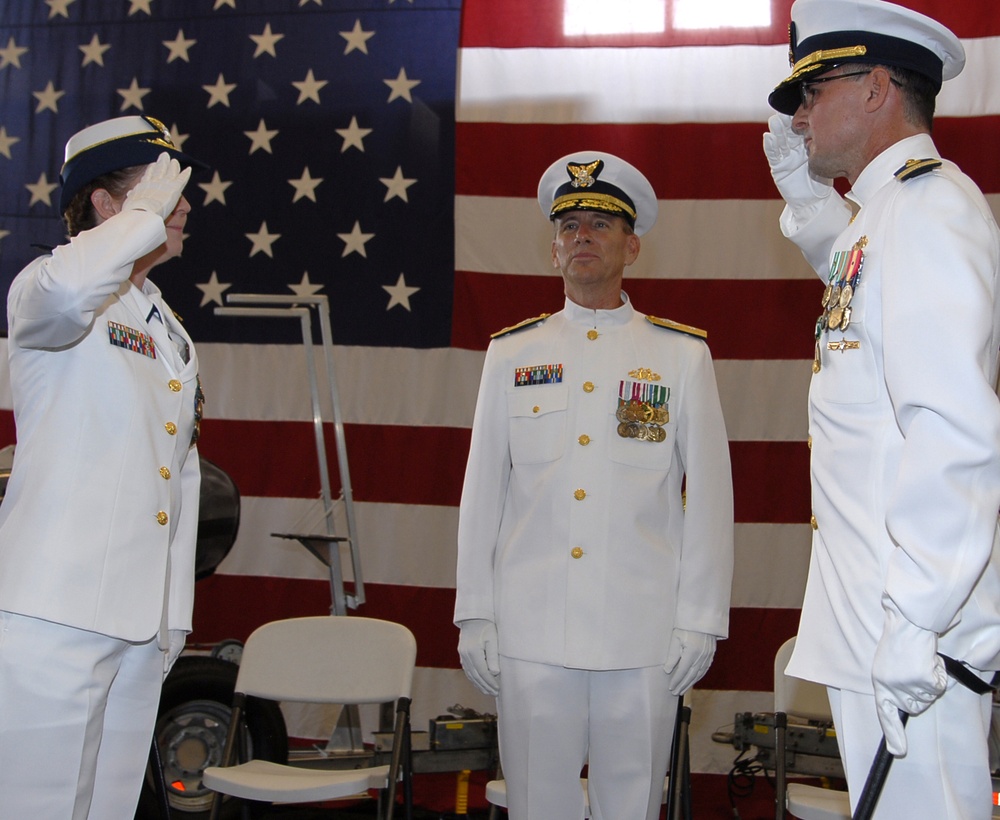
48,98
179,47
357,38
261,138
309,88
11,55
132,96
219,93
6,142
399,294
212,290
262,240
41,191
353,136
60,7
396,185
354,242
305,288
305,186
93,52
215,189
401,86
266,41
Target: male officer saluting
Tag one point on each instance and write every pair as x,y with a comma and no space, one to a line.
904,421
588,599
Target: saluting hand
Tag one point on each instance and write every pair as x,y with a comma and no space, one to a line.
159,189
786,154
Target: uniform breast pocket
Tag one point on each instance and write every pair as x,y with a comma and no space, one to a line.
848,375
537,418
641,446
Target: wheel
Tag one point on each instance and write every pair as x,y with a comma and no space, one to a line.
191,728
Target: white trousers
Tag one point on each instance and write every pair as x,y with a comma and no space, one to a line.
945,772
77,711
552,720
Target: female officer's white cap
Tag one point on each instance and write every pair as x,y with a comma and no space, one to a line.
827,33
112,145
598,181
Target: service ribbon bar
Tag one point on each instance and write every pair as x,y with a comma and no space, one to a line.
131,339
538,374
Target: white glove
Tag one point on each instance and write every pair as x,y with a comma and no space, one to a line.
907,674
477,647
177,637
160,187
688,659
786,154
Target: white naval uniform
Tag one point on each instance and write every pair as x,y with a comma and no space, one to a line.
573,539
905,432
99,523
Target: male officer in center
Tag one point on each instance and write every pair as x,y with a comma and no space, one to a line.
588,599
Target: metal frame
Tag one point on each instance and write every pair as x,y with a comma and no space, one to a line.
326,547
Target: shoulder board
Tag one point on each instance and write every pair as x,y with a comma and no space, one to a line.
670,325
917,167
520,326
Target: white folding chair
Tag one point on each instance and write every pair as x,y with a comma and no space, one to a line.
325,659
802,699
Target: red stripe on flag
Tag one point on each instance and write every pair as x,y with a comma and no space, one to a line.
770,478
7,430
281,463
745,319
737,170
531,24
771,482
744,661
221,611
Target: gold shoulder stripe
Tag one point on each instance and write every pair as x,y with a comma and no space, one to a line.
520,326
671,325
916,167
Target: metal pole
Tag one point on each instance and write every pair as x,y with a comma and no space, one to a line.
322,304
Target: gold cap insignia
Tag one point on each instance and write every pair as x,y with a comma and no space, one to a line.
583,176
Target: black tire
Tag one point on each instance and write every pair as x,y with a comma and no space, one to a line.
191,727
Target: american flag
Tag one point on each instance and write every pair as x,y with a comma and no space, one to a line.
344,163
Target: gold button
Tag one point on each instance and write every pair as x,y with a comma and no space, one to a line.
584,439
535,409
175,385
579,495
165,472
588,387
809,442
813,522
576,552
171,428
592,334
161,518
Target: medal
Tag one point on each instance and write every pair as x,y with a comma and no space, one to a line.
846,321
846,295
643,407
835,316
845,276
